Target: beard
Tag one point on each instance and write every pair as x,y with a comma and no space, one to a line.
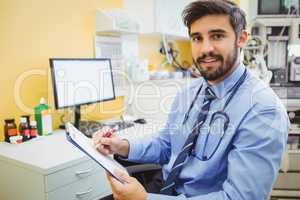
222,70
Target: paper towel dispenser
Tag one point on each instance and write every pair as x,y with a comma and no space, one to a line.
115,21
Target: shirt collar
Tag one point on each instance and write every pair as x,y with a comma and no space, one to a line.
222,88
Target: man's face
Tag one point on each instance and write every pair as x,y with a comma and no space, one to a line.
214,46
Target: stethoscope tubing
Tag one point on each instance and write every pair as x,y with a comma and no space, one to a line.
219,114
234,90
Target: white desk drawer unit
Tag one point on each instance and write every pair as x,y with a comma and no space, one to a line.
88,188
49,168
70,175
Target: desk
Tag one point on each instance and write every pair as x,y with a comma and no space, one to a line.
49,168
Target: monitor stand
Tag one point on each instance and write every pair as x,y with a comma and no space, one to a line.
77,116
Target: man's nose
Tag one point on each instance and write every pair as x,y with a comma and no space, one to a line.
206,46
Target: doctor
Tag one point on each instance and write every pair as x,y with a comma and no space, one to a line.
225,135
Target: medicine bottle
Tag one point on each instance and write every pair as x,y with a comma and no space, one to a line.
27,118
33,129
43,117
24,129
10,129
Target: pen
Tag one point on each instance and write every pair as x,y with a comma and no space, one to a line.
109,133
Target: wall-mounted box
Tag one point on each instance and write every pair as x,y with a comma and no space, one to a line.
115,21
159,16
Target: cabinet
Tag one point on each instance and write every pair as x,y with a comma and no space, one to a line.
49,168
287,185
159,16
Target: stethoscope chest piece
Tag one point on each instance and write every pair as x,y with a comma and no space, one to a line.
219,123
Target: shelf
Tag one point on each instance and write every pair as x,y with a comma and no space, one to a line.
285,193
296,151
294,129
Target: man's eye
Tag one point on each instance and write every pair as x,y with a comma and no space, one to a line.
217,36
195,39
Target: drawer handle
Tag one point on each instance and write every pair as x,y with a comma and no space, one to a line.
80,194
79,173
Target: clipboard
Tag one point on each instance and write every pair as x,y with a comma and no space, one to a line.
85,144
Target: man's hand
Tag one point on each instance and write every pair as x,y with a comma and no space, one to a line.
131,189
106,143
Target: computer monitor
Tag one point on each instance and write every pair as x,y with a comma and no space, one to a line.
79,82
278,7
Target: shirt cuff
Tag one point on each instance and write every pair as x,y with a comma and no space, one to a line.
135,148
152,196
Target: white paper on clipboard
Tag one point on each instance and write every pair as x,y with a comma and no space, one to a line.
85,144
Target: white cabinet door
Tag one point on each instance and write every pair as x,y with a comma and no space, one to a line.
158,16
142,11
169,17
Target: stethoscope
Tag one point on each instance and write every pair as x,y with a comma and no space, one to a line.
218,115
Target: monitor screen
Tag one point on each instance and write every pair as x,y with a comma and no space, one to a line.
269,6
81,81
278,7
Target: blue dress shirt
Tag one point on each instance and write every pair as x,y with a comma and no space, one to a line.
245,164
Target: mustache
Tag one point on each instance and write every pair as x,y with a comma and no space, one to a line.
199,60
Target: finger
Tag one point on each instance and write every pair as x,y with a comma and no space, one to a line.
97,142
123,176
103,150
113,189
109,177
97,134
110,180
115,184
100,133
106,141
96,139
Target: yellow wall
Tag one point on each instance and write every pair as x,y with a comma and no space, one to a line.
32,31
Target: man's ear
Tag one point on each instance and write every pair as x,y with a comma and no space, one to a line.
243,39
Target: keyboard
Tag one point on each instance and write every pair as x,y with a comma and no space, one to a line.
90,127
121,125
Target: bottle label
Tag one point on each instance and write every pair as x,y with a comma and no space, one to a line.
46,112
26,132
47,124
19,141
12,132
33,132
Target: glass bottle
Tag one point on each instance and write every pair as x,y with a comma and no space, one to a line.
33,129
24,129
10,129
27,118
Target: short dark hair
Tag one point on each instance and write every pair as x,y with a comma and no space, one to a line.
201,8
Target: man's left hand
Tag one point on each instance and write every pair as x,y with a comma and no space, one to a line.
129,190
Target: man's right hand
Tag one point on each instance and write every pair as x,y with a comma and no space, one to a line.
109,144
